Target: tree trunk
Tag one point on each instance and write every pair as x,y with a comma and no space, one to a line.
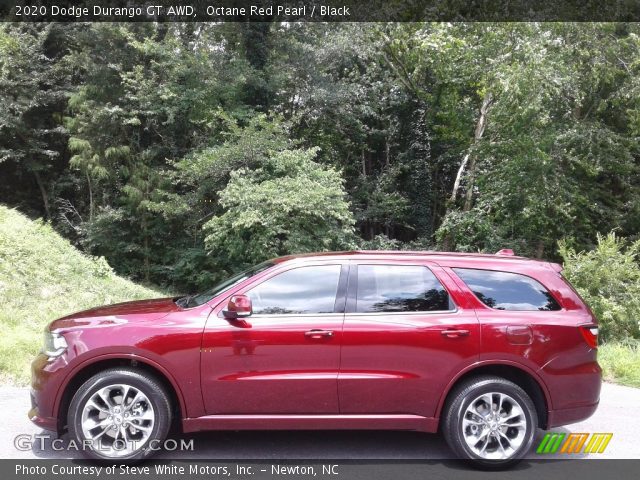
90,196
479,131
43,192
468,159
456,184
480,126
147,266
387,153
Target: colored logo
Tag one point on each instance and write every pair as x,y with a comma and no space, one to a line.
574,443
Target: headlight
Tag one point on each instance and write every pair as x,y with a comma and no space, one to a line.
54,344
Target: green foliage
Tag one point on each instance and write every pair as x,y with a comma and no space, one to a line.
381,242
204,172
35,80
620,362
32,80
155,102
556,160
472,231
289,204
608,279
129,137
43,277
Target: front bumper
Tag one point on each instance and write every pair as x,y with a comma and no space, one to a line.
46,423
46,379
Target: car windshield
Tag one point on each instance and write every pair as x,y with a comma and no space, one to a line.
201,298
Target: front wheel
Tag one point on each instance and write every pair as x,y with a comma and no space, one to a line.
119,414
490,421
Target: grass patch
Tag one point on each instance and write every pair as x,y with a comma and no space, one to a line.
43,277
620,362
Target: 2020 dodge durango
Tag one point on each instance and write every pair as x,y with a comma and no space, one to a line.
486,348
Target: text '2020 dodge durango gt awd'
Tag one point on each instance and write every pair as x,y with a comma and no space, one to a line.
486,348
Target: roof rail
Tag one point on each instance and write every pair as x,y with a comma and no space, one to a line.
506,252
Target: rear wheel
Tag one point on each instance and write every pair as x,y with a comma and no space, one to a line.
490,421
120,414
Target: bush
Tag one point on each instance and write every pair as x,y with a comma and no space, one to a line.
381,242
620,362
608,279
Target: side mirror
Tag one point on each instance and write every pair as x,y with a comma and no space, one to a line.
239,306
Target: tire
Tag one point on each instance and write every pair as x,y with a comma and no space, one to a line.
117,432
477,434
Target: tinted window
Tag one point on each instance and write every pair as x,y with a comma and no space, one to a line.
507,291
300,290
399,288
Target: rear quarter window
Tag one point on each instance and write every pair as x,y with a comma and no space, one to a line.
507,290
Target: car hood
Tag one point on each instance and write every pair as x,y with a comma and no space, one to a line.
139,310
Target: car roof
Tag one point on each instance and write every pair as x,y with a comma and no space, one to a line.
453,258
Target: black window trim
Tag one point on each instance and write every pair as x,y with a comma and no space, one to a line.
340,292
352,292
453,269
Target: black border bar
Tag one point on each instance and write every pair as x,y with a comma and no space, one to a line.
319,10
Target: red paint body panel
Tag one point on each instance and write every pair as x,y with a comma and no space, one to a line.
270,367
374,371
157,333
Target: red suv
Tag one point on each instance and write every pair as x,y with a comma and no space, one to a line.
486,348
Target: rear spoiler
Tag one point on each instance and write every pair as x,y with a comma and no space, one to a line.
556,267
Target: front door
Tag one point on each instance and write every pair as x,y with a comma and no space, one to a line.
284,358
404,338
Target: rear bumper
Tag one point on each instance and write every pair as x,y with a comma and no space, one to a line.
566,416
574,388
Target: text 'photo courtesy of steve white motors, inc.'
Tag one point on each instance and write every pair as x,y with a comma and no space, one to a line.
197,470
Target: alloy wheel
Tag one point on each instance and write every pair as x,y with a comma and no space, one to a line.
118,420
494,426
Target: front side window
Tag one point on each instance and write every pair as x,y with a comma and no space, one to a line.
506,290
399,288
301,290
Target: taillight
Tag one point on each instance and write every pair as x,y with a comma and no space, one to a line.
590,335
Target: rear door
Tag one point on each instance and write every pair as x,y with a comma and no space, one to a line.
406,334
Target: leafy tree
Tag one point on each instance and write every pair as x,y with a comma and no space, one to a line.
289,204
34,81
155,100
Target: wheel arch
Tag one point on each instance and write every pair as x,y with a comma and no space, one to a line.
85,371
525,379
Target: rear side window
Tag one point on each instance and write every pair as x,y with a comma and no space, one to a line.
399,288
506,290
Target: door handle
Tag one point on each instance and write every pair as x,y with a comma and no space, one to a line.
316,333
455,333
